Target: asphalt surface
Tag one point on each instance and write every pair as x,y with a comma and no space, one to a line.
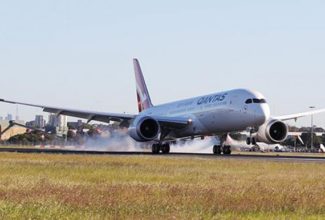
281,157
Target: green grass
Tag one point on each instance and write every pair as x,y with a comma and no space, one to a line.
41,186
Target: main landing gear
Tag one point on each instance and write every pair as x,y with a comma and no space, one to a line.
251,141
161,148
218,149
222,148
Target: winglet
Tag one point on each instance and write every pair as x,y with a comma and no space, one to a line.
144,100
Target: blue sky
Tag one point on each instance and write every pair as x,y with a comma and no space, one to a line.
78,54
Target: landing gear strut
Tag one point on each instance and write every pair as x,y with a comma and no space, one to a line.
163,148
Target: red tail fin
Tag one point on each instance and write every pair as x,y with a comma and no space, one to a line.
144,101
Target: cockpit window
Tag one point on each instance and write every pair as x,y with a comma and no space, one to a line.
257,101
249,101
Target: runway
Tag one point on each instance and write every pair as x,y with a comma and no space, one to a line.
238,155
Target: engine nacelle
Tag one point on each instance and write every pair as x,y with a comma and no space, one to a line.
144,129
272,132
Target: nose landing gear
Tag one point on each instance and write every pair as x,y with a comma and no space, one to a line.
251,140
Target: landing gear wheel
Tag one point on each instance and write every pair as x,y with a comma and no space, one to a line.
253,141
248,141
165,148
155,148
227,150
217,149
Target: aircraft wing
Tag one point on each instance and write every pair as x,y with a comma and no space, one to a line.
168,122
90,116
299,115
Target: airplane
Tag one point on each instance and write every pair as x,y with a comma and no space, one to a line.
214,114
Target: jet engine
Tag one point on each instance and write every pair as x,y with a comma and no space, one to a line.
272,132
144,129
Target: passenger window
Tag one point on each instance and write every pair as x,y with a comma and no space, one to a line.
249,101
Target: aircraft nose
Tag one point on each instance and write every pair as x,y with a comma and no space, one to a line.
262,114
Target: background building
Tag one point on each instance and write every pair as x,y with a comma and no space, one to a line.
63,124
60,123
9,117
39,121
53,120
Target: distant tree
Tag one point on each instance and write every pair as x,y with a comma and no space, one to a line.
317,141
290,141
318,129
71,135
93,132
293,129
306,137
32,138
50,129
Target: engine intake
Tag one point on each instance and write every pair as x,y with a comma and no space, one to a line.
278,131
144,129
273,132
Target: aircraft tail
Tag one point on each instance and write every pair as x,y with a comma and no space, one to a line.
144,100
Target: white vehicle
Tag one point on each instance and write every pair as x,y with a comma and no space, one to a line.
241,145
215,114
322,148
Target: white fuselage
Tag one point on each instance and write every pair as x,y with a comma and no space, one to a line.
216,113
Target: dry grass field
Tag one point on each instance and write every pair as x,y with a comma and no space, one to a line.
41,186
